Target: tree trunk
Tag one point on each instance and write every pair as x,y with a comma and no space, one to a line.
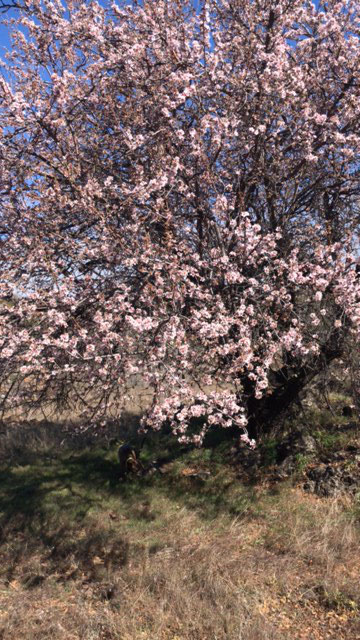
286,385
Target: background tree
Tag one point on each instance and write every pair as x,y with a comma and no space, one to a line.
179,202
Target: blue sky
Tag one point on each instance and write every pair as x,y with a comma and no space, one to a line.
4,37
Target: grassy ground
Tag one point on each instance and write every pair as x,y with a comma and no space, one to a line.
170,556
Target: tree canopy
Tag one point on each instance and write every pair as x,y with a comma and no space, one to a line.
179,203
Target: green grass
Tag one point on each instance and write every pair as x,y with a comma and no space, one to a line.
72,487
329,441
269,451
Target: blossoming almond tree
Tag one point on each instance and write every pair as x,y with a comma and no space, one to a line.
179,204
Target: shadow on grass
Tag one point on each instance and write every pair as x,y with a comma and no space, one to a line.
72,485
75,484
41,486
213,496
43,514
210,496
67,507
48,475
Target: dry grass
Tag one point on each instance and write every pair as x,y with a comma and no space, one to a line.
40,436
193,583
170,557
